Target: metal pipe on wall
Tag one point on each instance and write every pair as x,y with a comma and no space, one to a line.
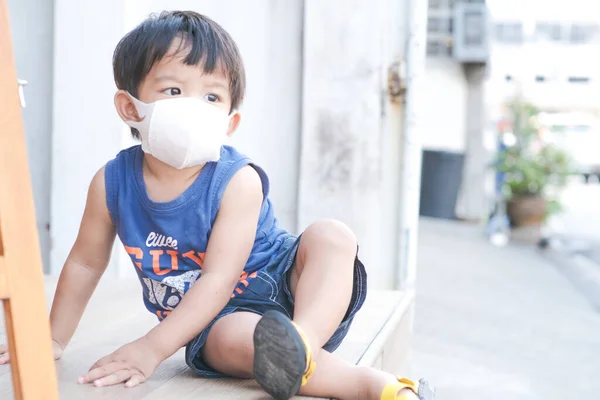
416,29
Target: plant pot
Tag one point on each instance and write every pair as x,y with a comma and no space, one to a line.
527,211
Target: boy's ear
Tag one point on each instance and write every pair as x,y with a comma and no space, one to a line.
125,107
234,122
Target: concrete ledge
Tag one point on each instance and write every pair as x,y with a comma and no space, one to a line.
388,350
379,338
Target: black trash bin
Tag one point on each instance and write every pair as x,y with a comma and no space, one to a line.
441,176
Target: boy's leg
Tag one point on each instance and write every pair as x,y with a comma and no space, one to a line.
321,280
321,283
229,349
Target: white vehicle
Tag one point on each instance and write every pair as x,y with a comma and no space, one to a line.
579,135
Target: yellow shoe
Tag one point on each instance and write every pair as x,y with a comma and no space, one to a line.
310,364
423,391
282,356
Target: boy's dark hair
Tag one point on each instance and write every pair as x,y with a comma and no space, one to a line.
207,43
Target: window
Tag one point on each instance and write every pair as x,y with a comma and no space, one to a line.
439,25
508,78
558,128
583,33
549,31
473,30
581,128
540,78
579,79
438,48
510,32
436,4
449,4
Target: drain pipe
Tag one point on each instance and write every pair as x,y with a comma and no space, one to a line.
410,183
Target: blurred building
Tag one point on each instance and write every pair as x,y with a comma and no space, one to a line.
456,180
549,53
546,51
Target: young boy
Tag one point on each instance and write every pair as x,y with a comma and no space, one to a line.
246,298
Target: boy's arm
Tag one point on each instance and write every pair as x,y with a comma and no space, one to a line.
85,265
229,247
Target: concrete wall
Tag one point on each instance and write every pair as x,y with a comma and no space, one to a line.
350,131
445,115
31,28
86,129
474,200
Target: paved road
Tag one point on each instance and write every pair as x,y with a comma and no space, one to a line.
578,253
500,323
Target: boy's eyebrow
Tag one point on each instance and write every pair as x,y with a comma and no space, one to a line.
218,84
214,83
166,78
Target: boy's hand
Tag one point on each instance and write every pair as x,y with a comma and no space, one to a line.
57,351
133,364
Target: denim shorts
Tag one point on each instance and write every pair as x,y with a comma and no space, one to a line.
269,290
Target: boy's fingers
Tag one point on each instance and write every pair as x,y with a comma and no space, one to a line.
135,380
113,379
101,372
4,358
101,362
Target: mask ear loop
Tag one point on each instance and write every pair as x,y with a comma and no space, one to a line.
229,118
144,111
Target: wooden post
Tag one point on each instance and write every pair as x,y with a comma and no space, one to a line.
21,277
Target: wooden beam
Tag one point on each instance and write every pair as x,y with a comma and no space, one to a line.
32,364
3,276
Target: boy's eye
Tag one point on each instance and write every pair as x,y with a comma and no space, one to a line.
211,98
172,91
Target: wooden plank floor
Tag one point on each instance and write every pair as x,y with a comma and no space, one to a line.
116,315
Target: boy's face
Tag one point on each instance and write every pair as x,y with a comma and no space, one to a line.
172,77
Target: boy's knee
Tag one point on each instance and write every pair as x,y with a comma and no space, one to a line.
333,234
229,357
229,347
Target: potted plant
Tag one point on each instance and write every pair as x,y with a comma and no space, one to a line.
533,170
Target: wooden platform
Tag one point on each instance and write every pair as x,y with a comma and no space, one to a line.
116,315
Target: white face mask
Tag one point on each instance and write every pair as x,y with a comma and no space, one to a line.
182,131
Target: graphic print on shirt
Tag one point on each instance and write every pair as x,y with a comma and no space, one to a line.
165,273
165,285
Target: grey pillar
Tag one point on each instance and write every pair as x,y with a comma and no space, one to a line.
473,203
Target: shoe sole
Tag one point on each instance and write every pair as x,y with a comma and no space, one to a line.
279,356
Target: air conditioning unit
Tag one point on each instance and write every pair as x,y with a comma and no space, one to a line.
471,36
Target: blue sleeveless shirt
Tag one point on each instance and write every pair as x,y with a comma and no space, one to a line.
167,240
